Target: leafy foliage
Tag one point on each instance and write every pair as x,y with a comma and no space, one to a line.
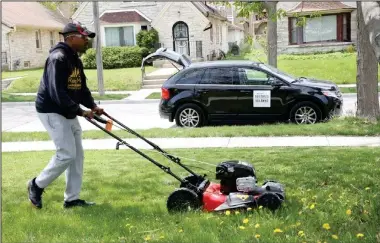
148,39
115,57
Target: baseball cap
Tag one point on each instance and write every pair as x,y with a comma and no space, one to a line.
77,27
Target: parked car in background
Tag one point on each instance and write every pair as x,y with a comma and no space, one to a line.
242,90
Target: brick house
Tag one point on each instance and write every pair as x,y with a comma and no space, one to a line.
333,30
195,28
29,30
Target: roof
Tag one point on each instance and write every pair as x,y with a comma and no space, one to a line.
208,10
307,6
123,16
223,63
31,14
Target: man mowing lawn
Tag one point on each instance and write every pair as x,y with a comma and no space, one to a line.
63,87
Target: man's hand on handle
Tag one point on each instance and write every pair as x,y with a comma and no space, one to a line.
99,111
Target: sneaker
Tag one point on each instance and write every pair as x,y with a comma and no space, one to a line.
35,193
77,203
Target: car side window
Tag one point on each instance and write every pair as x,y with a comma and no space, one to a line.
191,77
218,76
250,76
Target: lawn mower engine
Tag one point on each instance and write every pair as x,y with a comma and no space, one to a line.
237,189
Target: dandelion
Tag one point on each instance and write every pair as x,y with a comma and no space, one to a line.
237,212
257,236
359,235
228,212
326,226
298,223
308,190
257,226
245,221
242,227
260,207
147,238
348,212
301,233
312,206
277,231
249,209
367,188
335,237
180,230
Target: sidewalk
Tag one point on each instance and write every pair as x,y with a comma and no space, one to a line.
207,142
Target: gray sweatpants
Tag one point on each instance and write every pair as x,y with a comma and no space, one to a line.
67,137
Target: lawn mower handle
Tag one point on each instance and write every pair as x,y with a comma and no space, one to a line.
121,141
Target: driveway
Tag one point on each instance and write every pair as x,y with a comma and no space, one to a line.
134,114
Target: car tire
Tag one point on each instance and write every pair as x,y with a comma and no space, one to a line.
305,112
189,115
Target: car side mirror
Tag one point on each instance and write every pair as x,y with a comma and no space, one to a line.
275,82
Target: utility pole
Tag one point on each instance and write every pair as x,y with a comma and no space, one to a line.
99,61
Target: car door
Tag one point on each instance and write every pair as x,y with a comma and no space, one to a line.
217,92
261,94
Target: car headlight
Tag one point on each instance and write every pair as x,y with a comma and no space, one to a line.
329,93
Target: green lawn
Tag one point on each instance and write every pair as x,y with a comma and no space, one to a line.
114,79
342,126
330,192
155,95
337,67
5,97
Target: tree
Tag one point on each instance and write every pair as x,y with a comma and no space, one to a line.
367,63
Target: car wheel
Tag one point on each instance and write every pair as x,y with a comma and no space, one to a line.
305,113
189,115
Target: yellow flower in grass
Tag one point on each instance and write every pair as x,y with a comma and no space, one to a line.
301,233
312,206
348,212
228,212
249,209
335,237
147,238
257,236
277,231
326,226
237,212
257,226
298,223
245,221
242,227
260,207
367,188
359,235
180,230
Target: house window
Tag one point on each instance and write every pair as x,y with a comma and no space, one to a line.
120,36
52,39
38,39
144,27
327,28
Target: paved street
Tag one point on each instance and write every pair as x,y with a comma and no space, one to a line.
134,114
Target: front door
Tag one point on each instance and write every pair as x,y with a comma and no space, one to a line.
217,92
181,38
258,97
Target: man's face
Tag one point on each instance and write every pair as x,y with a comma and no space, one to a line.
79,42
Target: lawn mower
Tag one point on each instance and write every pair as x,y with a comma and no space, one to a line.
237,190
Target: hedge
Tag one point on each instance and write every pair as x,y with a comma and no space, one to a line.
115,57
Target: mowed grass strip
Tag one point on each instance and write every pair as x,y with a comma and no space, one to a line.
330,192
348,126
5,97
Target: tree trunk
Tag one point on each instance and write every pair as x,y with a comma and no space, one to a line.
367,69
371,15
271,8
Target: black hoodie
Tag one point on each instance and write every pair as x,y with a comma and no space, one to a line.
63,84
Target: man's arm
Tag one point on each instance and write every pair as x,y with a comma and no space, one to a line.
57,73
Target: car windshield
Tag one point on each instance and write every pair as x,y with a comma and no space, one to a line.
287,77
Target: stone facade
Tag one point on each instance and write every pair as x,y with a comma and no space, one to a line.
23,51
5,47
283,35
163,16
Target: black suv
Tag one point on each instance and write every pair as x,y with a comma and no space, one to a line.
242,90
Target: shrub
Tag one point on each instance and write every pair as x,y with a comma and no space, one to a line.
115,57
148,39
